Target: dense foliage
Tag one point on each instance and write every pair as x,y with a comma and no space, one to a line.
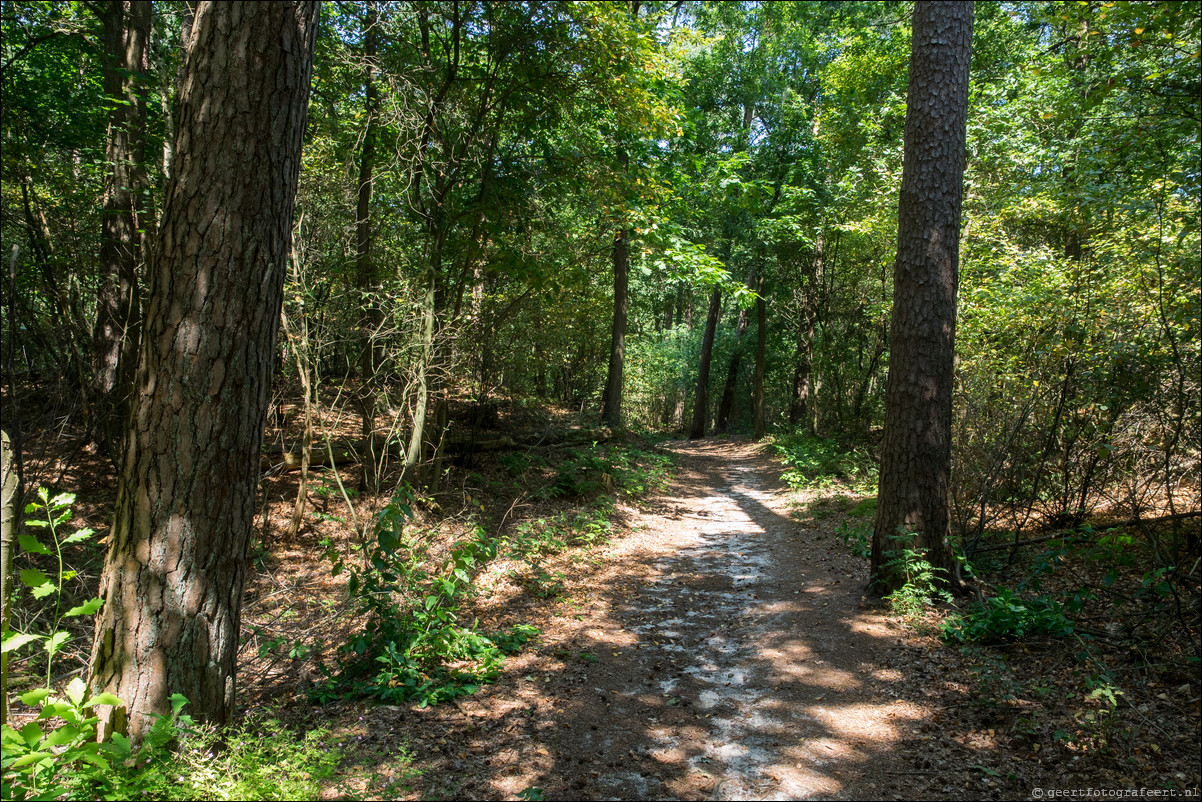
469,168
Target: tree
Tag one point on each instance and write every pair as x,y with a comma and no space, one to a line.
611,407
115,333
701,399
913,500
175,568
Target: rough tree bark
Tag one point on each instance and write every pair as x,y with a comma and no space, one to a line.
916,453
175,569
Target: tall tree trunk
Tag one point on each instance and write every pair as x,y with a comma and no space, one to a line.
727,404
913,499
413,453
176,564
701,400
761,347
115,333
803,366
366,276
803,358
611,408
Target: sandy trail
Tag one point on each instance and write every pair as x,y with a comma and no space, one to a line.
735,657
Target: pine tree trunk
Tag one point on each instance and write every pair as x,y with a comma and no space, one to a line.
913,499
176,564
701,400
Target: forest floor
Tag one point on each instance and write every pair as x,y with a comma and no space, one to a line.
716,646
720,647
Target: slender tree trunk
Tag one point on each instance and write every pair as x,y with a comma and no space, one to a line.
913,499
761,347
732,370
803,366
803,360
115,333
701,401
176,564
366,275
413,454
299,343
611,408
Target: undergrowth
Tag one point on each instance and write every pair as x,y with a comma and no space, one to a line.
816,463
414,644
56,755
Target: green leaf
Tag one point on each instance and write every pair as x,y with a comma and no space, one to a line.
31,698
87,608
32,733
63,500
43,591
76,690
178,700
30,545
15,640
34,578
104,698
32,757
62,736
56,641
55,707
82,534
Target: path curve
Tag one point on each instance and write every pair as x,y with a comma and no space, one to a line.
736,658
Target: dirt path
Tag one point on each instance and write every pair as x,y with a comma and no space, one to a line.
722,654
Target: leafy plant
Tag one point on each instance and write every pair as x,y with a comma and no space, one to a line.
1004,617
412,645
815,463
34,757
258,758
606,470
912,600
857,537
54,512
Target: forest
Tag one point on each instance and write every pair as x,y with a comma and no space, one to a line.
643,399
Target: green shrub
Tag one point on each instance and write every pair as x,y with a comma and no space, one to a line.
1005,618
815,463
412,646
857,537
57,756
609,469
914,598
